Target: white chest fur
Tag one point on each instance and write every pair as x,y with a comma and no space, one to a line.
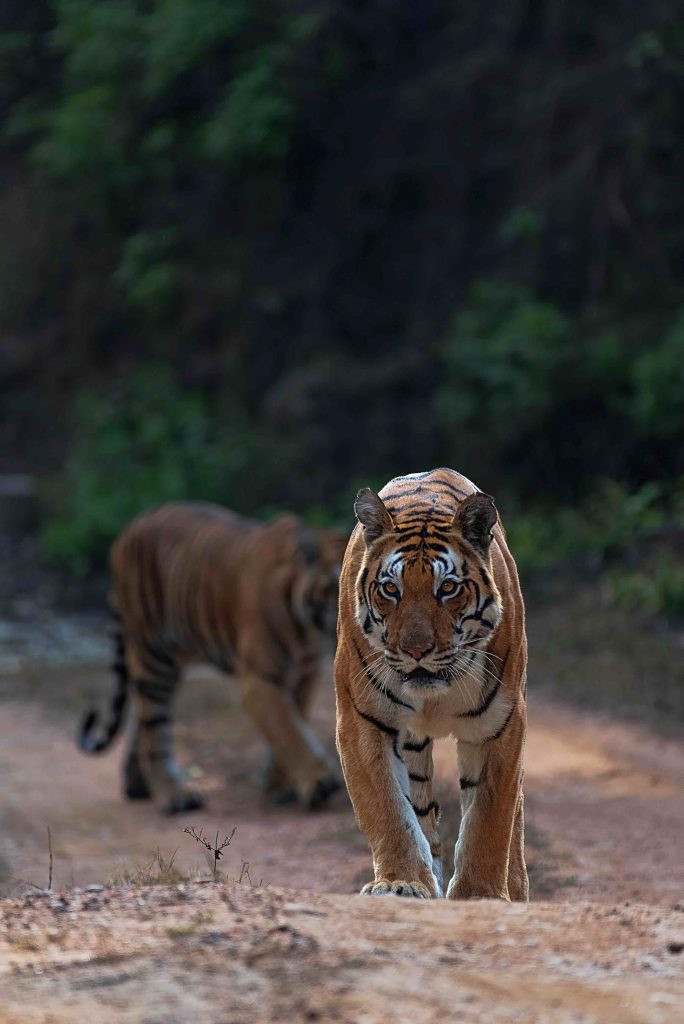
472,709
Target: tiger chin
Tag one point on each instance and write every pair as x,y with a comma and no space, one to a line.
431,643
194,582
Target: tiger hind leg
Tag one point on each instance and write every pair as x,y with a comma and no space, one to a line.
135,783
155,676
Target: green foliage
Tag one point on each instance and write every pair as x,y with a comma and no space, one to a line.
501,358
659,385
658,591
143,443
251,124
157,105
604,525
522,225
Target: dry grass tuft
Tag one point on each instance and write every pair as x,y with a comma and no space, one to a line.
160,870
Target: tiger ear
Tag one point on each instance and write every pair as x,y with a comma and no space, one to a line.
372,513
475,518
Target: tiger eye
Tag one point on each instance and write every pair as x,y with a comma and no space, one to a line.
391,588
448,587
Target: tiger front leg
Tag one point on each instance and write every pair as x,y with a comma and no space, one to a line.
278,787
417,755
296,752
489,858
379,787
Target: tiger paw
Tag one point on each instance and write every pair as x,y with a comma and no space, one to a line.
472,890
321,792
397,887
185,801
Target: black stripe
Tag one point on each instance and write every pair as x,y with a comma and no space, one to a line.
418,746
417,509
442,548
366,598
390,730
378,686
154,658
392,697
422,812
450,487
154,721
397,495
503,728
419,778
158,691
486,703
466,783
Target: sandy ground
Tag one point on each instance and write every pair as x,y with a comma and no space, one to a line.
602,942
232,955
605,801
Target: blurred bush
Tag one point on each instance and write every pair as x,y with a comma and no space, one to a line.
659,591
360,241
603,525
144,442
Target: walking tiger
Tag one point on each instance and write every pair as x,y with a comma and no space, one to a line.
195,582
431,643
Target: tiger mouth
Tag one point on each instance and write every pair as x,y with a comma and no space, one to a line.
422,677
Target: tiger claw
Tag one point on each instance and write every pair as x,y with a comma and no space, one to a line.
398,887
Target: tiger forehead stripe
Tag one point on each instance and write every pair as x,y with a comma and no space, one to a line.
443,566
393,565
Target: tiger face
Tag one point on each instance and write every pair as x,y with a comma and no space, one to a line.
321,554
426,597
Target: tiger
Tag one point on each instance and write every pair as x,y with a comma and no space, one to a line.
432,643
195,582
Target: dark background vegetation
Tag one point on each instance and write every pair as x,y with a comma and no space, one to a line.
264,253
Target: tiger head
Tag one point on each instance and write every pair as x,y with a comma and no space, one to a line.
320,560
426,596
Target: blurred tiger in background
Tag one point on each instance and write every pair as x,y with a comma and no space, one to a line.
195,582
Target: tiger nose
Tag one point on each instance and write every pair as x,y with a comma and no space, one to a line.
419,651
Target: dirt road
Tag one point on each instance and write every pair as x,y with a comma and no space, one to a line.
605,801
605,827
236,955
